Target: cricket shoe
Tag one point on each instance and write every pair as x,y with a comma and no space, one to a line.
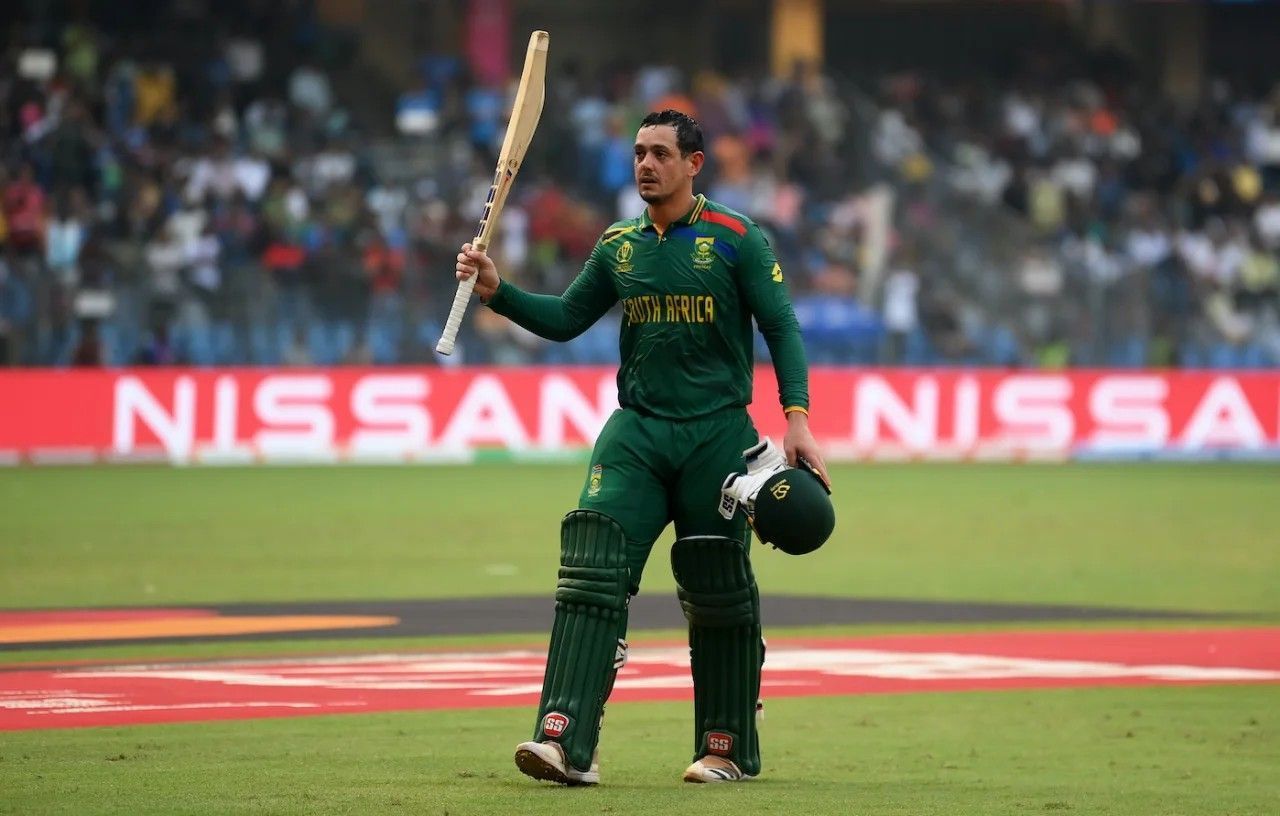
715,769
546,760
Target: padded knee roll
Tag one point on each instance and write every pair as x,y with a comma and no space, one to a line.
720,600
587,636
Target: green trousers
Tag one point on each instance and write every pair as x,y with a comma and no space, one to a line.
647,472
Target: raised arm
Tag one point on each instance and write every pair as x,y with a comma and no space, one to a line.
555,317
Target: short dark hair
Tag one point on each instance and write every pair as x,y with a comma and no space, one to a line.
688,131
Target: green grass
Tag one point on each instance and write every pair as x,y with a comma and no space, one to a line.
1209,750
1161,536
1186,537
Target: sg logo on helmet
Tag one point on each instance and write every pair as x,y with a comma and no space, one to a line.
780,490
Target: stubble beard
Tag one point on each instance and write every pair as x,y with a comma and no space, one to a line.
653,197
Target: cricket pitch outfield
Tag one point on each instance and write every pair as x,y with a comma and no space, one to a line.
1005,639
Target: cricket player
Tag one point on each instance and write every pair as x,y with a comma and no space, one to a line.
690,275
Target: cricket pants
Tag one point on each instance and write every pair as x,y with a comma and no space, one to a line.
646,472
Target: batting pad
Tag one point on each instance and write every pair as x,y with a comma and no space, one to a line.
591,620
718,594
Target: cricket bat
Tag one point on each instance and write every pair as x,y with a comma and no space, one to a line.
524,120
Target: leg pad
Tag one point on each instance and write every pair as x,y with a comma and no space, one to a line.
590,623
718,594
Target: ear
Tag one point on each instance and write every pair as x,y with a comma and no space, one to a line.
696,159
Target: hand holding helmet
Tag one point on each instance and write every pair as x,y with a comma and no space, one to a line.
788,507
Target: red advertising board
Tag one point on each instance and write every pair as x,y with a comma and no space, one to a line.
409,414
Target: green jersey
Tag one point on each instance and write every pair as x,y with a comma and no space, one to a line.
688,297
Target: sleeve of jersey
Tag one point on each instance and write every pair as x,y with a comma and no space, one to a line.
562,317
767,297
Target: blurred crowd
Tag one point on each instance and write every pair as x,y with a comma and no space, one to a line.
1063,214
190,197
221,198
1143,231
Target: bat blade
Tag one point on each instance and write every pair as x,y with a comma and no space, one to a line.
525,113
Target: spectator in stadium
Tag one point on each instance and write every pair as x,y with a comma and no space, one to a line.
24,213
15,311
900,313
88,351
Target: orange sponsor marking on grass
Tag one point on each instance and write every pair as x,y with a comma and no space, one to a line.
210,626
31,617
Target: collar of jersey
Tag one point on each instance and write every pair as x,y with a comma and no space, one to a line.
699,204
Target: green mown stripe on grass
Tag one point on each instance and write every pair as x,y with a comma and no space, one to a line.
1200,751
1196,537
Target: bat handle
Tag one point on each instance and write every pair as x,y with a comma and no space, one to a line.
459,308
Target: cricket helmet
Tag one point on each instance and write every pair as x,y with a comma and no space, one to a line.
793,511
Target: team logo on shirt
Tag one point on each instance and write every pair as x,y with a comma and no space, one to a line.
704,252
777,273
624,257
597,476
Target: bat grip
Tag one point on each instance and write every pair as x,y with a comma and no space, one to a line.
459,308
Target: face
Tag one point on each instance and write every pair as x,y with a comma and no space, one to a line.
661,172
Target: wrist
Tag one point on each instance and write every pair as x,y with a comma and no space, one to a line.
796,414
485,299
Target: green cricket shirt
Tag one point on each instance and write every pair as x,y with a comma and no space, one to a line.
688,296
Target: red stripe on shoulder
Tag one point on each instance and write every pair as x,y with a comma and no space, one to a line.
724,221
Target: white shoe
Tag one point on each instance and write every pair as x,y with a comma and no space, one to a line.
715,769
546,760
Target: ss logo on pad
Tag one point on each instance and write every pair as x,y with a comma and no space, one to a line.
719,742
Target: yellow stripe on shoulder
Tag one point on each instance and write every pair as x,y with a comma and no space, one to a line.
698,208
611,233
